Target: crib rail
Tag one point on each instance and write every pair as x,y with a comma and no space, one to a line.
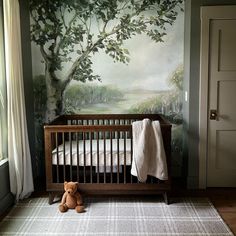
106,119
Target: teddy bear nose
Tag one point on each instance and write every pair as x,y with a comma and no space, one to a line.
68,191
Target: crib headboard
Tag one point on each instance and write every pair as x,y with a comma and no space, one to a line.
106,119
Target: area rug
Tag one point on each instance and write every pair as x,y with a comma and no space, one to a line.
116,216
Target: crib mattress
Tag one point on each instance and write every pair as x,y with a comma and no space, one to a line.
93,153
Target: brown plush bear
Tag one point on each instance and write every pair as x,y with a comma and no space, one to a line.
71,199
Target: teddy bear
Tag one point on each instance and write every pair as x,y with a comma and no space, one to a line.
71,199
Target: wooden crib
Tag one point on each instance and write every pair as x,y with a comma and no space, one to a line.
96,151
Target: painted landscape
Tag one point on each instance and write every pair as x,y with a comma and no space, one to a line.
104,56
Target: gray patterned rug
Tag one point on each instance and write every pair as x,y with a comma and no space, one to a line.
116,216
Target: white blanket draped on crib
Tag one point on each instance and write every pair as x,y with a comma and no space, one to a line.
149,156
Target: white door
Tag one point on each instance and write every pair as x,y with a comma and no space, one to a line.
221,148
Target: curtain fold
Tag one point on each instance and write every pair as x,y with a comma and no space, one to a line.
20,168
3,105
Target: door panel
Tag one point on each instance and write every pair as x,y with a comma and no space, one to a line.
226,105
225,139
227,38
221,166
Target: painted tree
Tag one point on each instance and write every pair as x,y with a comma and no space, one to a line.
176,82
70,32
176,79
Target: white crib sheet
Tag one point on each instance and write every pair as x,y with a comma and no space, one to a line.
104,157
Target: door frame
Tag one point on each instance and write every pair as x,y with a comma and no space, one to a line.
208,13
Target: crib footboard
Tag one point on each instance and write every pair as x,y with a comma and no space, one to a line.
98,155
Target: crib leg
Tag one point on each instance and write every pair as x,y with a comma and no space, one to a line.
166,198
50,198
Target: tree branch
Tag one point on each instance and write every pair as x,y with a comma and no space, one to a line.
85,54
48,60
129,21
87,28
62,17
74,67
68,28
44,54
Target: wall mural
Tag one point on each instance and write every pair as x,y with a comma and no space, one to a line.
107,56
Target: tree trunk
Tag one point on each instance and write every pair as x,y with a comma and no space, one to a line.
54,96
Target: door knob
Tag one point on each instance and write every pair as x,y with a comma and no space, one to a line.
213,114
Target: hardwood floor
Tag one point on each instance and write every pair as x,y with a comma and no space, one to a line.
224,200
226,206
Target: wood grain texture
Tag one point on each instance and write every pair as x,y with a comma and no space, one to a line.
223,199
226,206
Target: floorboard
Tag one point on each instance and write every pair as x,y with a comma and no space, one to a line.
224,200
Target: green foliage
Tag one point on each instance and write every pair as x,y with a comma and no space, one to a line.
177,138
84,72
176,79
40,94
63,28
168,103
164,103
40,99
80,95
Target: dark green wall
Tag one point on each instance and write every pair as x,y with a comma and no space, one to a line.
191,85
27,74
6,198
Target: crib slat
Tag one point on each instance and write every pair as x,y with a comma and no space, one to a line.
64,156
70,141
124,158
131,157
91,158
84,151
92,133
77,151
118,157
111,153
57,158
97,157
104,150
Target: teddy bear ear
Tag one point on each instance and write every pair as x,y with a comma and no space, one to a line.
65,182
77,183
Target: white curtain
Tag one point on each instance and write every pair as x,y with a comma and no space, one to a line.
3,105
20,168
